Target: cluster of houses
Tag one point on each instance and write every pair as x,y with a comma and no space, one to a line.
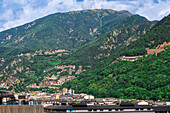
70,69
2,60
68,95
51,82
155,51
64,79
10,80
67,101
126,58
129,58
63,74
57,80
48,52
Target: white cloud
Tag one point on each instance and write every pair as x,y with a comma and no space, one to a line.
154,11
17,12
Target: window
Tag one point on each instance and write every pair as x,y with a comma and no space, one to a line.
149,109
90,110
101,109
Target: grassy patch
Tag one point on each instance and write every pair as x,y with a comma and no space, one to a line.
57,62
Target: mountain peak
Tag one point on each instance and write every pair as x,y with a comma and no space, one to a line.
101,11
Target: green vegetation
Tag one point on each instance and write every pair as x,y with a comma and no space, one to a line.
56,62
146,78
44,89
20,87
32,67
63,30
43,34
95,39
12,51
113,41
3,88
134,52
157,35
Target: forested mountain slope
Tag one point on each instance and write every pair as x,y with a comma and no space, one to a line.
146,78
158,35
117,38
63,30
69,30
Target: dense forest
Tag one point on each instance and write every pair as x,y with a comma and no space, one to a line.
143,79
146,78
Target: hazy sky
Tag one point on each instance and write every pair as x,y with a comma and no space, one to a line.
17,12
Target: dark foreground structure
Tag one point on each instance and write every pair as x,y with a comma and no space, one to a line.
6,94
106,109
11,105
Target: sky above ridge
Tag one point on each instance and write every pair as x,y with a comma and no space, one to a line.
18,12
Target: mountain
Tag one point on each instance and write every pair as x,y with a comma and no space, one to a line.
147,78
63,30
121,35
158,35
99,37
82,26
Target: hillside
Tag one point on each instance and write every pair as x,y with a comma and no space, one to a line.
158,35
19,57
146,78
98,72
63,30
117,38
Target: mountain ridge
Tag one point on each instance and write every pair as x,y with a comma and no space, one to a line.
80,27
118,37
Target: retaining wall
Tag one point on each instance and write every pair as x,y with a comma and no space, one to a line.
22,109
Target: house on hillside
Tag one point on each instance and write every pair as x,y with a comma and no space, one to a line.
46,70
129,58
